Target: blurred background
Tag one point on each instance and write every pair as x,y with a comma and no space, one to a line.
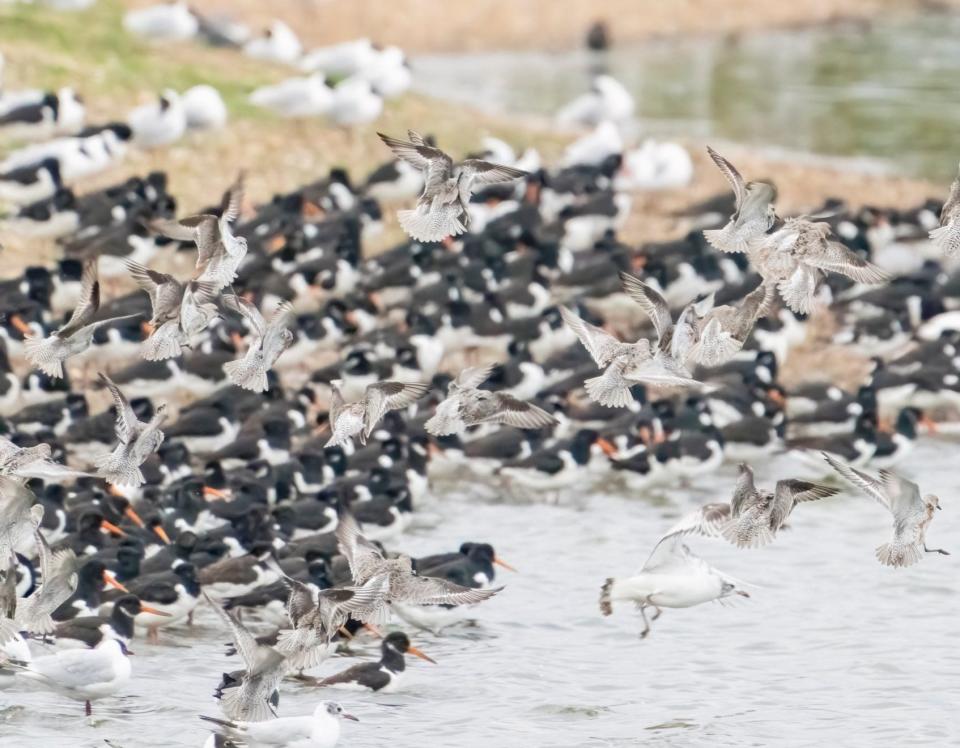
838,98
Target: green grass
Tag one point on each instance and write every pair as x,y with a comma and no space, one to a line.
91,51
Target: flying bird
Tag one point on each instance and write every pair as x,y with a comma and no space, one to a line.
947,235
912,514
137,440
367,561
48,354
442,207
219,250
754,213
359,418
466,405
270,341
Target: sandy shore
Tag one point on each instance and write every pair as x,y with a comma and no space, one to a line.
434,26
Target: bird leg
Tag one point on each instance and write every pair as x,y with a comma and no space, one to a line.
657,614
935,550
153,635
646,624
87,708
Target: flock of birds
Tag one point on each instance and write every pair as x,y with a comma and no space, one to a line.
279,405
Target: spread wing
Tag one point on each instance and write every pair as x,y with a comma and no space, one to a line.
436,165
364,558
127,421
801,490
233,199
360,601
435,591
651,301
384,396
479,172
300,600
473,377
147,279
246,643
89,301
733,176
841,259
519,414
707,520
280,321
248,311
600,344
896,493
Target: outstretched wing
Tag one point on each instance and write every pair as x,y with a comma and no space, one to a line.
89,301
600,344
127,421
435,591
246,643
733,176
233,199
473,377
708,520
383,396
898,494
479,172
651,301
437,166
363,557
841,259
248,311
519,414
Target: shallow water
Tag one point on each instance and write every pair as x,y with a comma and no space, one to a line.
888,91
831,649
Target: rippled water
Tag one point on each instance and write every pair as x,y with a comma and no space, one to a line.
887,91
832,648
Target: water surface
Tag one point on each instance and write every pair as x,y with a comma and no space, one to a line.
886,91
832,648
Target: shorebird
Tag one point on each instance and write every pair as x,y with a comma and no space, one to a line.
81,674
367,561
270,341
359,418
797,256
754,213
753,517
316,619
911,513
704,334
319,730
48,354
137,440
672,577
442,208
466,405
181,310
384,675
58,570
219,251
20,514
947,235
265,668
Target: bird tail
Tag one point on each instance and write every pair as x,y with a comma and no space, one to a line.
164,343
726,239
897,554
947,239
41,352
609,392
237,706
431,225
754,536
246,374
117,469
302,648
606,604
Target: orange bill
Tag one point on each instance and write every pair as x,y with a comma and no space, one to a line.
161,533
373,630
928,423
209,492
500,562
112,528
111,580
609,449
130,514
22,327
154,611
417,653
